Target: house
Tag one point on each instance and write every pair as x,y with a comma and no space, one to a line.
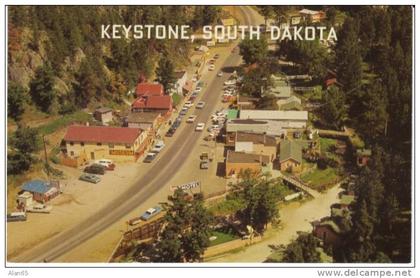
42,191
273,128
256,144
145,89
328,231
146,121
290,156
160,104
187,88
246,102
95,142
363,156
289,119
312,16
103,115
240,161
181,80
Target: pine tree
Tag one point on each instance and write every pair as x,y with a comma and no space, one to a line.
16,100
165,74
42,88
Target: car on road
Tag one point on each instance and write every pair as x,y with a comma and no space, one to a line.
212,67
149,157
200,105
158,147
96,169
170,132
220,74
191,118
16,216
150,213
90,178
107,163
188,104
200,127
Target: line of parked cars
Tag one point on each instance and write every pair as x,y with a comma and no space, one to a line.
99,167
157,148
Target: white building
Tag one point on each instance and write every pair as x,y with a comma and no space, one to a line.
289,119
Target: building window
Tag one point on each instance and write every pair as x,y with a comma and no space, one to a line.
99,144
111,146
71,153
82,144
71,143
128,146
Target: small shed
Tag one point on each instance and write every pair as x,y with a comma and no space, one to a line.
103,114
42,191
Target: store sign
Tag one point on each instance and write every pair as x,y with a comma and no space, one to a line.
121,152
187,186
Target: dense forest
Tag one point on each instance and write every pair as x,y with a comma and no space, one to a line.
373,63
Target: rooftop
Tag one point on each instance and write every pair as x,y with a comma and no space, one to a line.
179,74
142,117
256,138
153,102
273,115
232,114
290,150
149,89
103,110
102,134
37,186
310,12
240,157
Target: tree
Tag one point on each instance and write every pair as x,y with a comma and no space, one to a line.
16,100
335,108
266,12
24,143
253,51
165,73
260,200
304,249
186,231
42,88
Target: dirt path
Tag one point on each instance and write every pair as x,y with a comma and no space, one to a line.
294,217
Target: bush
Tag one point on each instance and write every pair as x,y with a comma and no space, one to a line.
18,163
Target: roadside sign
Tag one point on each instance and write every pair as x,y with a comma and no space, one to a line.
186,186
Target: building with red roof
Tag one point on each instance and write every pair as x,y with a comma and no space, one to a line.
84,143
162,104
144,89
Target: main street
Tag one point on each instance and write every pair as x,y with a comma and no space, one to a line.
171,161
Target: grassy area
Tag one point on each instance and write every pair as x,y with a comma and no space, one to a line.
318,177
221,237
225,207
176,99
61,122
326,144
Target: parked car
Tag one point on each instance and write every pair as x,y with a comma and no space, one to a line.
204,164
230,82
158,147
150,213
191,118
16,216
216,56
212,67
149,157
220,74
183,111
39,208
96,169
170,132
200,105
107,163
90,178
200,127
188,104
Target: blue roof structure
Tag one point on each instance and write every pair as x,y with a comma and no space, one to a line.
37,186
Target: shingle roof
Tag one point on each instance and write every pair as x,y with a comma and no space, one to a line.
103,110
149,89
102,134
37,186
142,117
179,74
240,157
256,138
290,150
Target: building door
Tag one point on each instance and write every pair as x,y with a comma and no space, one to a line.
92,155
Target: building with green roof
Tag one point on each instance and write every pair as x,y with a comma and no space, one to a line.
290,156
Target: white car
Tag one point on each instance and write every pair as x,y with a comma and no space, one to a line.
200,105
230,82
158,147
220,74
188,104
104,162
200,127
191,118
212,67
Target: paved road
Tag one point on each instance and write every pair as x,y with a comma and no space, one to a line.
158,175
